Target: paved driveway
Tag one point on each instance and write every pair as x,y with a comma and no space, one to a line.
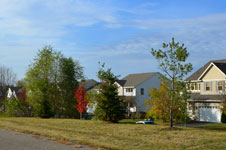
10,140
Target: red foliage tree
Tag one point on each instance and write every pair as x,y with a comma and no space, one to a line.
81,97
22,95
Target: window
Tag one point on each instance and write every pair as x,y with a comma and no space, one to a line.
129,90
142,91
194,86
220,85
197,86
207,86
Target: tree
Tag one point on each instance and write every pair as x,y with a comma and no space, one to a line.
172,62
81,97
109,105
7,79
51,81
70,74
38,80
160,102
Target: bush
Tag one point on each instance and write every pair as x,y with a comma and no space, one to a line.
17,108
223,118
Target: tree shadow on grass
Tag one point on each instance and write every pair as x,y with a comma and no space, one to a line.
213,127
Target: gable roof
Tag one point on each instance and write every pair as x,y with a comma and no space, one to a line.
221,64
135,79
89,84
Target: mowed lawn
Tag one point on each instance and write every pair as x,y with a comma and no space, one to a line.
123,136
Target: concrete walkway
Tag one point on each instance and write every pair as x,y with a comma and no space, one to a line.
10,140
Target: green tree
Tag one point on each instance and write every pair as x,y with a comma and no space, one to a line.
172,62
38,82
50,82
109,105
70,74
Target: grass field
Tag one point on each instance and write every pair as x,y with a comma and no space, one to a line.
123,136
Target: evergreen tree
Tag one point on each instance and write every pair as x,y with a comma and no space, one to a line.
109,104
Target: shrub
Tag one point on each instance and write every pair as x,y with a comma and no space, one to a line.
223,118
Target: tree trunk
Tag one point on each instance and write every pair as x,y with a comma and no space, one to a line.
171,104
171,112
80,115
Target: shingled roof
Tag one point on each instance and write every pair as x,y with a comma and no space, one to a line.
221,64
89,84
135,79
199,97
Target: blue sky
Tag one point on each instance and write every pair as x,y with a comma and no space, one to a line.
120,33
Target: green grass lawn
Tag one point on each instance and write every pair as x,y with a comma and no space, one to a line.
123,136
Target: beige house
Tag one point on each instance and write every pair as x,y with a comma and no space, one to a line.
207,86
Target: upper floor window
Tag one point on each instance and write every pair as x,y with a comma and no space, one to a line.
129,89
197,86
142,91
207,86
194,86
220,85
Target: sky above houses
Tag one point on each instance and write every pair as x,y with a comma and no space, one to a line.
120,33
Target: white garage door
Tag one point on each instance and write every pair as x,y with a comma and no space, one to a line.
209,113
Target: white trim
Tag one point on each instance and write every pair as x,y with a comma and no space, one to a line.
214,80
208,69
128,87
205,71
191,100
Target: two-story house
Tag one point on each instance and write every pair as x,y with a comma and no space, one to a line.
207,86
135,88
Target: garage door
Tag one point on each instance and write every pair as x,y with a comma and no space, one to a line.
209,113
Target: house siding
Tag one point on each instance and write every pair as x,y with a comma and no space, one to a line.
147,85
213,76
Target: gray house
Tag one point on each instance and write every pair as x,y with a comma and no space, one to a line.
135,88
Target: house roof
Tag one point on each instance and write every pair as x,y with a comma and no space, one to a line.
221,64
199,97
135,79
89,84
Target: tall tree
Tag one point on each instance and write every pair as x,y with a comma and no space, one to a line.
70,74
172,62
7,79
38,80
51,81
109,105
81,97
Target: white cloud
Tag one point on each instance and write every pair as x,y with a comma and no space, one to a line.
28,25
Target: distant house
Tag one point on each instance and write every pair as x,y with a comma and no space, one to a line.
14,92
90,86
207,91
135,88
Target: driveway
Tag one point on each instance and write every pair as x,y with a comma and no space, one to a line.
10,140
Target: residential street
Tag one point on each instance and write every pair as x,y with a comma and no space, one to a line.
10,140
